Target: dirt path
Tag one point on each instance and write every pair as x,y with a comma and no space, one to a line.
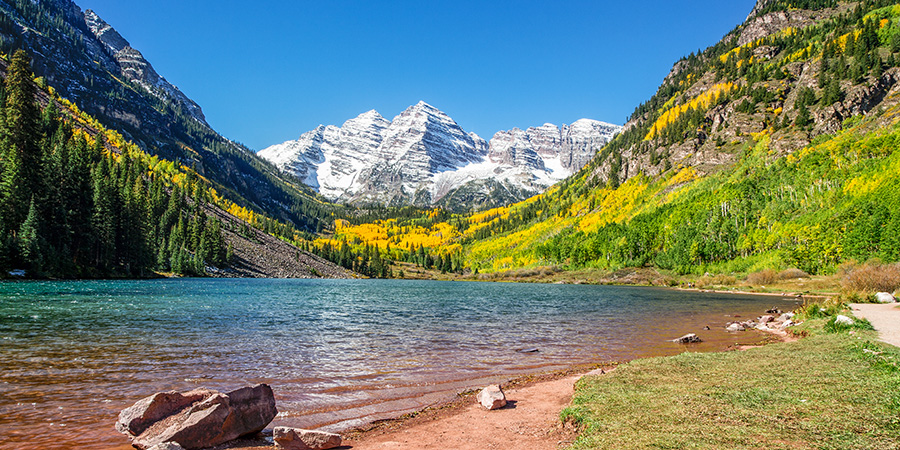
884,317
529,422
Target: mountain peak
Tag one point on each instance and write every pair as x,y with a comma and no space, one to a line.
134,67
424,107
422,155
105,32
370,115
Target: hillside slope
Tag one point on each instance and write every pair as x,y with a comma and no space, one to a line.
774,148
77,200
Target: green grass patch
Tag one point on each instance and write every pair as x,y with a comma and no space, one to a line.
827,391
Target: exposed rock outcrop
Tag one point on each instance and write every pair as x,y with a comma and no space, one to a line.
137,69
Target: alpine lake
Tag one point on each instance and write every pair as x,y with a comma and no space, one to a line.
337,353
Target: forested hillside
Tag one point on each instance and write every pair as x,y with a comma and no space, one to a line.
773,148
97,69
77,200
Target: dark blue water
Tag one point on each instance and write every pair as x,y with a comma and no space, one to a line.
336,352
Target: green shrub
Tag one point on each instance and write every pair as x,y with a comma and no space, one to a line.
819,310
858,324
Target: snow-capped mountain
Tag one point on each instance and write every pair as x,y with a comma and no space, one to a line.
422,156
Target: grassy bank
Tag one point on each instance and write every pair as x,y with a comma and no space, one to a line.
829,390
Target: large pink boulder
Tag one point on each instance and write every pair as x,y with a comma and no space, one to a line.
199,418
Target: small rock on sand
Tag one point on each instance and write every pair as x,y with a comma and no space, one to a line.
298,439
734,327
885,297
492,397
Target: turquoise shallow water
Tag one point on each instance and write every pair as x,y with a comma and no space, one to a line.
337,352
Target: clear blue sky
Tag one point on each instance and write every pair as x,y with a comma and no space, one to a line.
267,71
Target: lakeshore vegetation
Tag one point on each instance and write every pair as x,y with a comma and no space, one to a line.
836,388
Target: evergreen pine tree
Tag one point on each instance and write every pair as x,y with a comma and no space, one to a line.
103,217
823,74
803,116
30,240
18,144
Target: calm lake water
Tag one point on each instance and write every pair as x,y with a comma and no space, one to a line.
337,353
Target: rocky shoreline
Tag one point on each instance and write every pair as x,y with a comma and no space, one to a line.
210,404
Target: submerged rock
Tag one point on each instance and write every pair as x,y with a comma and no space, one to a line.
690,338
492,397
199,418
786,316
299,439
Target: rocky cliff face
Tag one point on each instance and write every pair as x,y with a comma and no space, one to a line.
422,157
88,62
136,69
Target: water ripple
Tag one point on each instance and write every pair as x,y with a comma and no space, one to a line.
72,354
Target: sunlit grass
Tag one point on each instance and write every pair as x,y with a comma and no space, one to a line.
827,391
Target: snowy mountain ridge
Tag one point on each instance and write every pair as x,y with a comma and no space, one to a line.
423,156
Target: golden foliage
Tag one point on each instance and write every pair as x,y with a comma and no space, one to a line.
702,101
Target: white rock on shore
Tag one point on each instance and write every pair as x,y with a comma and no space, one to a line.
492,397
843,320
885,297
299,439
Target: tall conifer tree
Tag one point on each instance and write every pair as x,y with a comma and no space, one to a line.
21,174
